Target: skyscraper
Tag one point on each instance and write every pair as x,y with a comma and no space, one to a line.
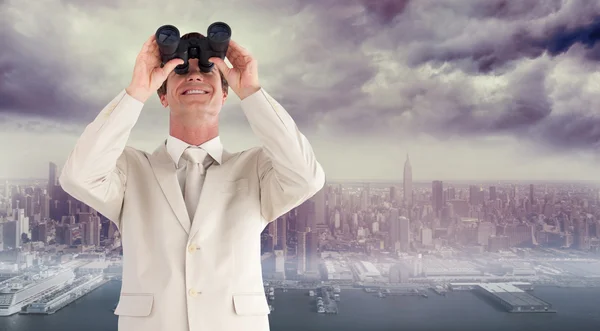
493,195
408,189
394,225
404,227
320,212
475,195
52,180
301,251
437,196
531,194
282,233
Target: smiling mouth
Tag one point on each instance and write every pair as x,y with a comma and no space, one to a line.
195,92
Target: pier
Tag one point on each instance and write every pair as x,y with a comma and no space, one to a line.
514,299
326,302
385,292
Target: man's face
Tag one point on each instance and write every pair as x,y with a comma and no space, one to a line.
194,92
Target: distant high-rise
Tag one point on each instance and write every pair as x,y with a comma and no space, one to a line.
301,251
91,228
437,196
312,258
408,188
282,233
52,180
404,233
305,215
493,195
475,195
320,212
393,194
393,219
531,194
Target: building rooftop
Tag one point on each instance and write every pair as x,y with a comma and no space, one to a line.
512,294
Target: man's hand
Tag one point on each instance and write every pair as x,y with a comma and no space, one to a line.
148,76
243,77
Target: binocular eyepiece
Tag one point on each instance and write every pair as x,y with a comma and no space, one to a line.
215,44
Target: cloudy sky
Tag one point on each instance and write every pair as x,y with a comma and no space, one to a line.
469,89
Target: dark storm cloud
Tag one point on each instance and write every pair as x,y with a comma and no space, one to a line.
519,33
385,11
362,67
570,131
34,70
562,38
483,38
513,10
527,105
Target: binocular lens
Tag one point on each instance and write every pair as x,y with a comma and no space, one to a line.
167,38
219,32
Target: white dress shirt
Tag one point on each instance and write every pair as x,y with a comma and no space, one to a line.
176,147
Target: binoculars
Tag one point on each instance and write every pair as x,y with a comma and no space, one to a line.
215,44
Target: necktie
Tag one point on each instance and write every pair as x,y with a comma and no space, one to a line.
193,178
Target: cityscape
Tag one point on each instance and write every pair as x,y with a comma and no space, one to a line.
409,239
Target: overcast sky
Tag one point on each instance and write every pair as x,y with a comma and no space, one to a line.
469,89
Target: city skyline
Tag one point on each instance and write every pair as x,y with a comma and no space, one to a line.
351,239
497,91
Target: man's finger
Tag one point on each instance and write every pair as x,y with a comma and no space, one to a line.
221,65
236,49
237,46
169,66
148,43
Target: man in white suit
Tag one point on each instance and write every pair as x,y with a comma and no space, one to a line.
192,264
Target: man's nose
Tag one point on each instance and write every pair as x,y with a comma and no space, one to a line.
195,75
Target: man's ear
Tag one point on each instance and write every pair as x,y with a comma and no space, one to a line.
163,101
224,96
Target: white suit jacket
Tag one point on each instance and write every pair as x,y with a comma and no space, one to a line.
205,274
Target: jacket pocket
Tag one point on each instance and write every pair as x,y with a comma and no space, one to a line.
251,304
135,304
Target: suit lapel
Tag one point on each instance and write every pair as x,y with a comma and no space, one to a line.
166,175
165,172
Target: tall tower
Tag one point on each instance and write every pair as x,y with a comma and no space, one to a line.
404,225
531,194
320,216
437,196
408,188
52,180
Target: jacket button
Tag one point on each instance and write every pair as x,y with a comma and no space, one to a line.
193,292
192,248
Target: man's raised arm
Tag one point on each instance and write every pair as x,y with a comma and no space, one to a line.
95,172
288,170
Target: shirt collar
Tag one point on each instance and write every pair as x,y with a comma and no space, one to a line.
176,147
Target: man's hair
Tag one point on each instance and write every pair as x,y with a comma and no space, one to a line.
162,90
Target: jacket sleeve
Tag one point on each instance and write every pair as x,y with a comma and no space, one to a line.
288,171
95,172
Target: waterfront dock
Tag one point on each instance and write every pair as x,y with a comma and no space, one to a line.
439,290
514,299
385,292
326,301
